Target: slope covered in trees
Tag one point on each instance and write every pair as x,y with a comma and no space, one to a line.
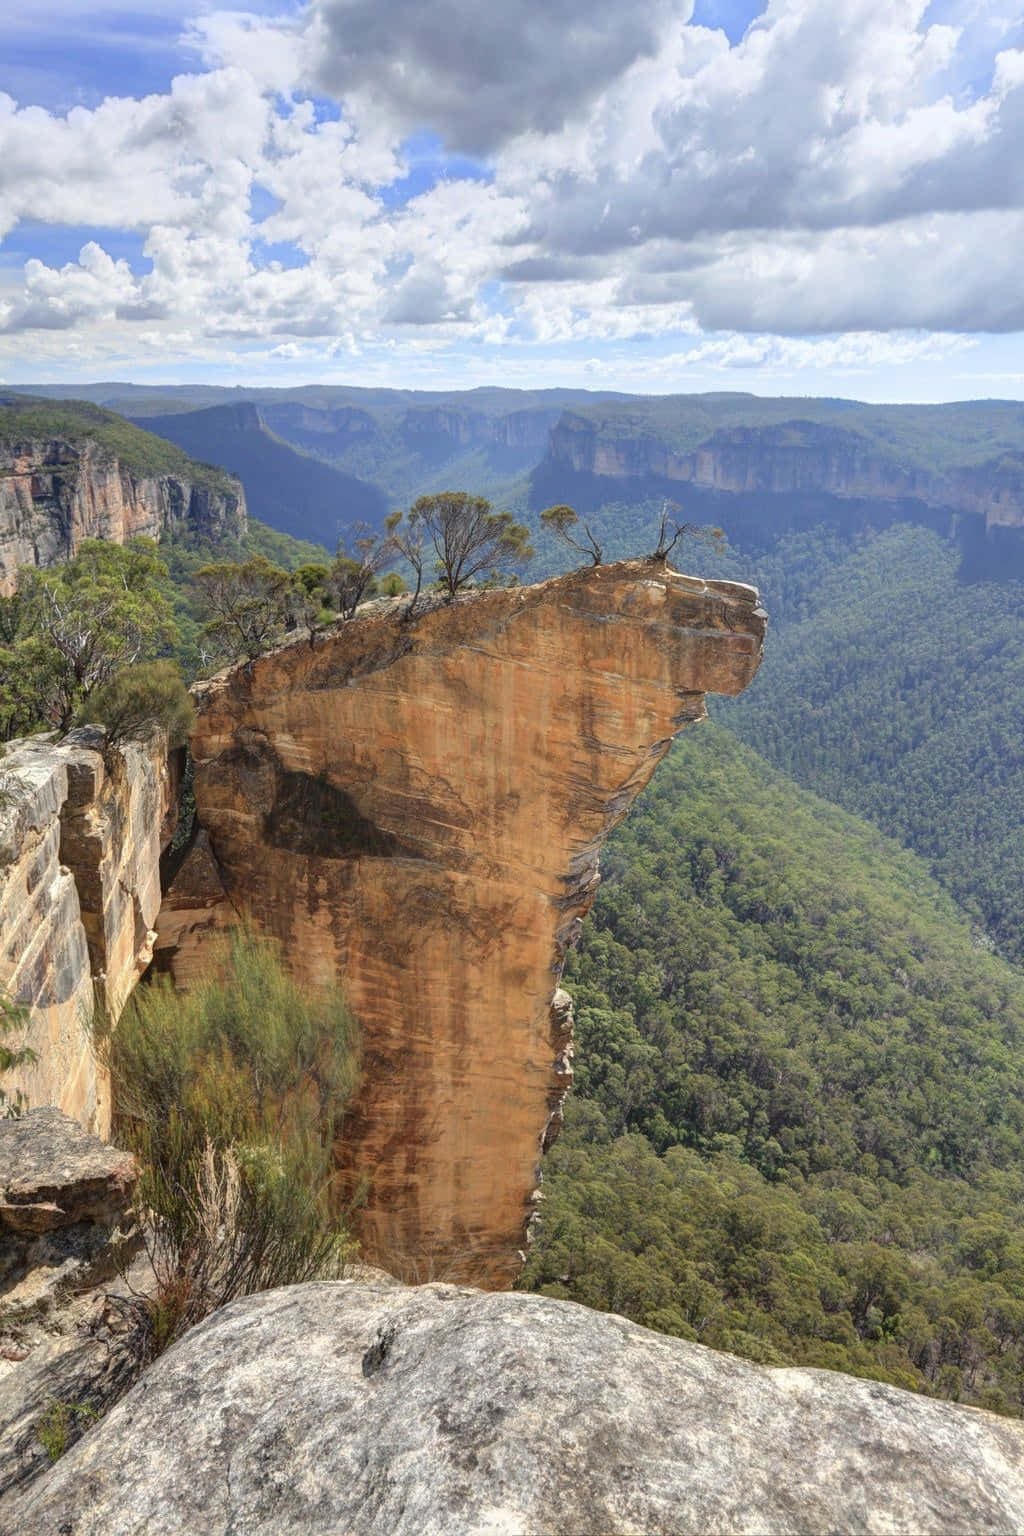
895,688
797,1131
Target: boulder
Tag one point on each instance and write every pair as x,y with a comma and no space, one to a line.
364,1406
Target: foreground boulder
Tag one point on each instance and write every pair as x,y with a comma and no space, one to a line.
364,1407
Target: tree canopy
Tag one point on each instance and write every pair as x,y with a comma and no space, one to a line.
70,628
796,1131
468,537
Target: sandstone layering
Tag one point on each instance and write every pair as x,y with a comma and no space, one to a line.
81,832
416,809
55,493
368,1407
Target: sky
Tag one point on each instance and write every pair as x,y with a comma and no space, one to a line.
811,197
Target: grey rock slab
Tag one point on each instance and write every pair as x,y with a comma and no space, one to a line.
55,1174
365,1407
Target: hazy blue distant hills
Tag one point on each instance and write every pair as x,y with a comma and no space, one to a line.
758,467
291,491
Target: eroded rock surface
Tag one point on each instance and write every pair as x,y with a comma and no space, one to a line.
416,809
81,833
370,1408
65,1226
54,493
53,1174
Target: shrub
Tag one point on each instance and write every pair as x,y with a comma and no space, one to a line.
232,1096
13,1017
139,699
61,1425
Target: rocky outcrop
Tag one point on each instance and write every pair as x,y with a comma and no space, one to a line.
64,1229
366,1408
416,810
54,1175
54,493
792,458
81,832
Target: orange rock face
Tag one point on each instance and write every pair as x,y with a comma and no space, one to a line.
416,808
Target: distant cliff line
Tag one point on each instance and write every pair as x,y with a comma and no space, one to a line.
70,472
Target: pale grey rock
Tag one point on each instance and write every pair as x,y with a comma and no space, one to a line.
82,828
54,1174
70,1330
360,1407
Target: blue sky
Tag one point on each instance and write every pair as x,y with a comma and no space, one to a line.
809,196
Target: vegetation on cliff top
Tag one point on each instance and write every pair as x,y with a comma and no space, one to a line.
797,1131
24,418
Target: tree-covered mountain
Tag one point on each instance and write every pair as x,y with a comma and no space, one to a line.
797,1130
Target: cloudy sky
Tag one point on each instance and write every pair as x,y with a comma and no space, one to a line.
805,196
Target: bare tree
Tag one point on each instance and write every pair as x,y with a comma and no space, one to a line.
410,541
562,520
670,532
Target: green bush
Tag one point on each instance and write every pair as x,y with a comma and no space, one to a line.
139,699
231,1096
13,1017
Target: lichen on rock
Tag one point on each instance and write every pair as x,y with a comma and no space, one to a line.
368,1407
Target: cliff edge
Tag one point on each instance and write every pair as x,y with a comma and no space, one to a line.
81,833
416,808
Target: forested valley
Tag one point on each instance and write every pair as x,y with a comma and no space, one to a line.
797,1130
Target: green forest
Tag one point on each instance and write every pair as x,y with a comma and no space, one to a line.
896,689
797,1130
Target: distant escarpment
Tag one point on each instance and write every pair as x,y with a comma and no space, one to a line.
591,460
70,472
291,491
416,809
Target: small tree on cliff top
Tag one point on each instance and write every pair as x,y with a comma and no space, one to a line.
564,523
247,605
670,531
468,537
358,563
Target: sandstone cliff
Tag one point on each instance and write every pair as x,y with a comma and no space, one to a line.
56,491
794,458
81,834
417,809
369,1408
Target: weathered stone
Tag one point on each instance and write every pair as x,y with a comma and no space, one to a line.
55,493
81,833
416,810
64,1200
55,1174
369,1408
81,1346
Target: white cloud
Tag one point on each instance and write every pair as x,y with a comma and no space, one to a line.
839,169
